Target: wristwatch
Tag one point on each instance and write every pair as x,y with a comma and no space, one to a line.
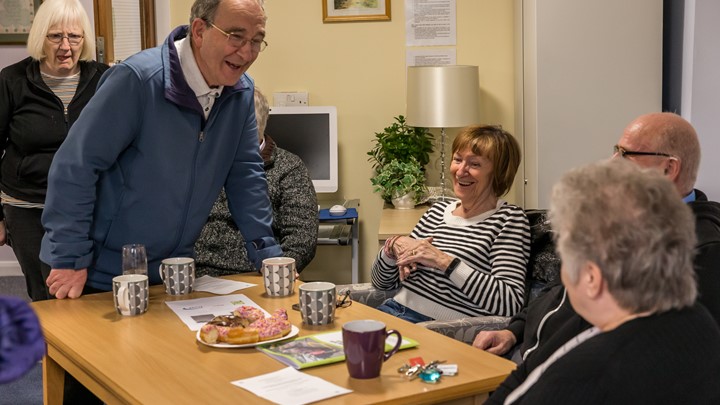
453,265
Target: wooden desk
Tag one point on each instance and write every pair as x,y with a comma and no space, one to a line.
399,222
154,358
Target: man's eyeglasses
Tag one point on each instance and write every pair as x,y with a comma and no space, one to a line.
622,152
73,39
238,41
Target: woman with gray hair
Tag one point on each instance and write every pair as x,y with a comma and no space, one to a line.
626,243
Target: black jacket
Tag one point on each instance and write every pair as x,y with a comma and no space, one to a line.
33,124
668,358
707,260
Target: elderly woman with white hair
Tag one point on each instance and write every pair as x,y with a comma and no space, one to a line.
626,243
41,97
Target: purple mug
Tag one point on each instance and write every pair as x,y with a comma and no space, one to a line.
364,347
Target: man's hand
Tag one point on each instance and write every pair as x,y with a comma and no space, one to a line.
496,342
66,283
3,233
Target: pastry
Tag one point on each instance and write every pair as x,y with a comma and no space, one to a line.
246,325
228,329
271,328
251,314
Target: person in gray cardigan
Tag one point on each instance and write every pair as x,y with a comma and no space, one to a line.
220,250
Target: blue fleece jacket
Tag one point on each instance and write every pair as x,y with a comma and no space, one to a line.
142,165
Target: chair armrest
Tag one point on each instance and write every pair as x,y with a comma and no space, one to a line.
465,329
365,293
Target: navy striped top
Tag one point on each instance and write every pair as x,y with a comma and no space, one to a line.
493,247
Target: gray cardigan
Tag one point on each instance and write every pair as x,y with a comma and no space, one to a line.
220,250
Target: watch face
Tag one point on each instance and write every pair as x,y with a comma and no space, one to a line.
453,265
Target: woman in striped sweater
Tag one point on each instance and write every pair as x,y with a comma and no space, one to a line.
464,258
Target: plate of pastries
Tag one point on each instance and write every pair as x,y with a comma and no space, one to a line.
247,326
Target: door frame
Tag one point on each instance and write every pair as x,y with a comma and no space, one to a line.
104,29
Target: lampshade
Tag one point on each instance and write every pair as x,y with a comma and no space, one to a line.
442,96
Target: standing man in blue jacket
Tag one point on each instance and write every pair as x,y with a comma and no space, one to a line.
167,129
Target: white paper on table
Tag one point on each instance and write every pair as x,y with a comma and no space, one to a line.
219,285
196,312
291,387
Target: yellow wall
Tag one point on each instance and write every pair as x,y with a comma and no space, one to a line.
359,67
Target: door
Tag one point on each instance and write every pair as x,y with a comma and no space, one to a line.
123,27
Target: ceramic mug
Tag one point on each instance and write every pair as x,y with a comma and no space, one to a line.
364,347
279,276
317,303
130,294
178,275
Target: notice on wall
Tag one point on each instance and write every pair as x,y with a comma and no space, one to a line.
430,23
430,57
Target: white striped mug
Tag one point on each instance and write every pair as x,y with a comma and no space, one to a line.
178,275
278,276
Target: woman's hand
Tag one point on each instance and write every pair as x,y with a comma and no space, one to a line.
422,252
402,246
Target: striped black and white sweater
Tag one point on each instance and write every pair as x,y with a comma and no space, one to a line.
493,247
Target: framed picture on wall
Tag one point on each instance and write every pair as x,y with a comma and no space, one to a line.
16,17
356,10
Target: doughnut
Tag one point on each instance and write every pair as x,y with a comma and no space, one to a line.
228,329
251,314
271,328
246,325
280,313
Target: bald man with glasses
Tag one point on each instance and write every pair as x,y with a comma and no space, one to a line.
668,143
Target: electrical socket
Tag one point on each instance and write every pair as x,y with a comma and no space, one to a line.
290,99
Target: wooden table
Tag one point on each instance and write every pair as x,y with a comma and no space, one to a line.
154,358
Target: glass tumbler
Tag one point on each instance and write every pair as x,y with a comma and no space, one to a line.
134,259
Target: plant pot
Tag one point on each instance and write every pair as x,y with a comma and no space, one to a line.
405,201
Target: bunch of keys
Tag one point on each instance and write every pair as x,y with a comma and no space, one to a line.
429,373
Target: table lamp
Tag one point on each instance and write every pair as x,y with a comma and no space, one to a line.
442,97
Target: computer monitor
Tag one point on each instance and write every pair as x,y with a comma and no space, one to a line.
310,133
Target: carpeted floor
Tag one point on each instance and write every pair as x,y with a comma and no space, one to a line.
25,391
14,286
28,389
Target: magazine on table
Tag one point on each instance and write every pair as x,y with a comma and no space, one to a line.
316,350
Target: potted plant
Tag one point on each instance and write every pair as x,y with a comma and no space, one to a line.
410,149
402,183
401,142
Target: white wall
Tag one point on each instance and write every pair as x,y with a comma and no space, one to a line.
701,86
588,68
